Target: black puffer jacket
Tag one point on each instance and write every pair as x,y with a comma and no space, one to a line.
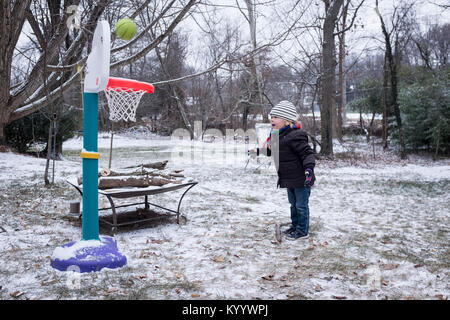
295,155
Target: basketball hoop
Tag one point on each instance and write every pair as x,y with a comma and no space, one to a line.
123,97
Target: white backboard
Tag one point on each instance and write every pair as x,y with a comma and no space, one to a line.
97,65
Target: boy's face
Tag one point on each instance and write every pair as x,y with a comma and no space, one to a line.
277,123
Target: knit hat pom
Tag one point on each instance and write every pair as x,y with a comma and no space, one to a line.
285,110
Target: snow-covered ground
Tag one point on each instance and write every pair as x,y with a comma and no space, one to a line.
379,228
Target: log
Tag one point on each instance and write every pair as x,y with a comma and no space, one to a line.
138,172
177,175
141,182
109,183
155,165
104,172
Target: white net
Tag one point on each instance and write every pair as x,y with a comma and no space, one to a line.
123,103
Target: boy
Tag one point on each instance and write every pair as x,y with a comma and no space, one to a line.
295,163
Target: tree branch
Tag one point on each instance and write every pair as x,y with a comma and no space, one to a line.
157,41
37,31
33,82
139,36
353,20
36,105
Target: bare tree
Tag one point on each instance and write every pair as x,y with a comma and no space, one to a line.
255,94
342,78
60,53
328,75
392,53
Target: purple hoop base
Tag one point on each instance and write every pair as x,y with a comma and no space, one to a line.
91,258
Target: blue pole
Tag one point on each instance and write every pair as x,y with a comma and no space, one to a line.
90,167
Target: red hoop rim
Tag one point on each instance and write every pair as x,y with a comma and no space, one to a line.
122,84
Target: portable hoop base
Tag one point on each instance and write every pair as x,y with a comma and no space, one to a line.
88,256
93,252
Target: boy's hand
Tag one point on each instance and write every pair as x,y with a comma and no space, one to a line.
308,175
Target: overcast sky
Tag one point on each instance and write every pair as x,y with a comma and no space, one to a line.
269,21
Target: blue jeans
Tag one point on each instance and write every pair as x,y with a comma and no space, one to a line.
299,198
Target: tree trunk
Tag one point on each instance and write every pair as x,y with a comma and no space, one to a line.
395,105
392,66
2,133
314,128
255,96
178,102
328,75
49,152
385,104
342,101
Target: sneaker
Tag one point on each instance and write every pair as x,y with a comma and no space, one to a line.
289,231
297,234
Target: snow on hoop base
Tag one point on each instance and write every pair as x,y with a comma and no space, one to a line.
88,256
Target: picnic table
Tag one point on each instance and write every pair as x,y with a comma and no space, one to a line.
123,193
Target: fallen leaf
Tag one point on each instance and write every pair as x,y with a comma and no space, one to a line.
43,283
16,294
142,276
384,282
195,295
389,266
107,293
219,259
269,277
157,241
441,297
419,265
340,297
318,288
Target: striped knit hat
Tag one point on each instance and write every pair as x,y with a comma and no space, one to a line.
285,110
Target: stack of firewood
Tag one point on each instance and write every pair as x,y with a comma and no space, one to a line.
141,176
